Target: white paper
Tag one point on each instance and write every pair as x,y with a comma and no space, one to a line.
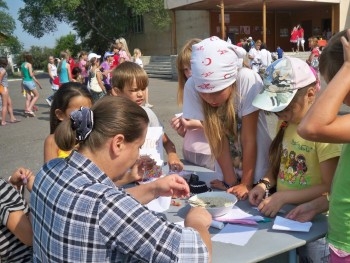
285,224
160,204
153,145
235,234
215,224
178,115
237,213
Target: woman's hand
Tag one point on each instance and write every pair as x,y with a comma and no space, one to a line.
171,185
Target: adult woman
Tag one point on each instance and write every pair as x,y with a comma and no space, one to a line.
84,217
29,80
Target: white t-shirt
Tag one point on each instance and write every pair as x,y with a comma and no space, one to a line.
248,84
256,59
266,57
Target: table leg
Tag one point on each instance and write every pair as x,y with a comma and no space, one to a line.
292,256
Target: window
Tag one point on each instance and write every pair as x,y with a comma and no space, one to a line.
137,25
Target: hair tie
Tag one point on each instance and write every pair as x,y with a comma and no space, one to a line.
284,125
82,122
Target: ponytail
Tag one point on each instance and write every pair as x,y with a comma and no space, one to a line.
275,152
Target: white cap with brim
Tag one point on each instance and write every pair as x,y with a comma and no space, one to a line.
93,55
282,79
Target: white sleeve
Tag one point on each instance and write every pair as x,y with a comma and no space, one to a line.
249,85
192,103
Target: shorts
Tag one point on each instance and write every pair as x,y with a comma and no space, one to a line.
29,85
301,41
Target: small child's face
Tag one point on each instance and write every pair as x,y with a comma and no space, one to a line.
217,99
134,93
187,71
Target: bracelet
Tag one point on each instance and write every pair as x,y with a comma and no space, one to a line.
266,183
226,185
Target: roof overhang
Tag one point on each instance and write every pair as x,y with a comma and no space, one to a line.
245,5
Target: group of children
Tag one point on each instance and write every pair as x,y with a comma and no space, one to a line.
224,106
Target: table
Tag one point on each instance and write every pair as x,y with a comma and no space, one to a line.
264,244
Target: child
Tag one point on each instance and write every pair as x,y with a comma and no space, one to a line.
323,123
15,228
64,68
96,87
28,83
138,61
123,53
69,97
195,147
76,75
302,170
220,94
106,69
314,54
130,80
54,79
4,93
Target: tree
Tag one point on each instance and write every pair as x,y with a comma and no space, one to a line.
67,42
97,22
7,27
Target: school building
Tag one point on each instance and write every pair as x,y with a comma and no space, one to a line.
268,20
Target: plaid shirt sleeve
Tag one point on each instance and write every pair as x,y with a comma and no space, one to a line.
139,233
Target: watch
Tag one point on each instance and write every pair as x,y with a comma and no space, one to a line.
266,183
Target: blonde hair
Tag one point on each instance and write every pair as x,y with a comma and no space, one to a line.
184,59
219,122
122,41
137,52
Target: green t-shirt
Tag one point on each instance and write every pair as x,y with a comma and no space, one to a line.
339,205
25,72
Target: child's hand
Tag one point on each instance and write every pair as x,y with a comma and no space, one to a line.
20,177
177,125
240,190
175,165
346,46
271,205
256,195
302,213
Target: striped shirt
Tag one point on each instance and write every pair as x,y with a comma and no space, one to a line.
11,248
79,215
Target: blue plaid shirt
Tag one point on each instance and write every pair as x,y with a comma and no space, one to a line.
79,215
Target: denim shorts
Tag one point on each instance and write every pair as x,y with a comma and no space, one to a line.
29,85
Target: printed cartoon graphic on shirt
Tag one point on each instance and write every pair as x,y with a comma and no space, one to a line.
293,168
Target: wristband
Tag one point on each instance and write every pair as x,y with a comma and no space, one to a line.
266,183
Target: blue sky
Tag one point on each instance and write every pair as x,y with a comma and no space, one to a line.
48,40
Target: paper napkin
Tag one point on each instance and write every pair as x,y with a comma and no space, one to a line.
285,224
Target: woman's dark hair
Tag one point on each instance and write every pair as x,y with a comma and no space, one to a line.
28,58
62,98
111,116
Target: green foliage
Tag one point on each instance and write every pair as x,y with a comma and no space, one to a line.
14,44
97,22
67,42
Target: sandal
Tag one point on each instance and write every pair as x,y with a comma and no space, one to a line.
3,123
15,121
29,113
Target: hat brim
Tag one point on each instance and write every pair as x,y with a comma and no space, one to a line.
273,101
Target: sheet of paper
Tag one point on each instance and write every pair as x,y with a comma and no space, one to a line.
160,204
153,145
237,213
235,234
285,224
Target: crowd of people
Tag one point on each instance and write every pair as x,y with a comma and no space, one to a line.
98,121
